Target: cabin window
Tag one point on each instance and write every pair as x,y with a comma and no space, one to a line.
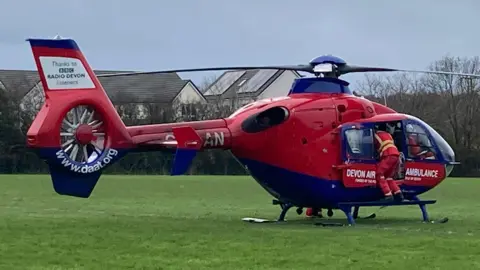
418,144
359,144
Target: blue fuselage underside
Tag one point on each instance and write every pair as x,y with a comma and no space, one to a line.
308,191
288,186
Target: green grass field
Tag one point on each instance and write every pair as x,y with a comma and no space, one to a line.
158,222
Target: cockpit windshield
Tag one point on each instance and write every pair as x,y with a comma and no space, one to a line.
447,151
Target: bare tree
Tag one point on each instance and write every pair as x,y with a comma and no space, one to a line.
459,96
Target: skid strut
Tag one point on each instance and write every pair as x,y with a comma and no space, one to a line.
285,207
346,207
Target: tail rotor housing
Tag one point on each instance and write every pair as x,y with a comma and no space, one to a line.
77,132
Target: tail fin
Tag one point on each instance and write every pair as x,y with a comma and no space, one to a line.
77,131
188,144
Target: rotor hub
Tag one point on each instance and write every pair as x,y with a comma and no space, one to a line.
328,59
84,134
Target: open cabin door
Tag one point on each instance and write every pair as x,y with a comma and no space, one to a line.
358,155
422,163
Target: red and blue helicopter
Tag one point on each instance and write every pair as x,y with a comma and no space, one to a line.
313,148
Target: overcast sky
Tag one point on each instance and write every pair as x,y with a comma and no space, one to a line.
164,34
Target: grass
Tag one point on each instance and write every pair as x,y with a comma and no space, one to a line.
159,222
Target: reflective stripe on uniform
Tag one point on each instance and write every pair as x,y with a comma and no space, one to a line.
384,145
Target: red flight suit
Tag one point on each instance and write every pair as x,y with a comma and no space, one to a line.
389,160
313,212
414,149
413,145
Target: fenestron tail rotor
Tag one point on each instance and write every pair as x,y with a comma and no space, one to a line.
327,66
82,134
78,132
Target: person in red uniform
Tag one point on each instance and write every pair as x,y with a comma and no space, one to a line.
414,148
387,166
311,212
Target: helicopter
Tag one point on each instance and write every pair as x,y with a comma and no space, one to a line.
313,148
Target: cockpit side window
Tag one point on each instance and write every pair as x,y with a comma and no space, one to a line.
359,144
418,143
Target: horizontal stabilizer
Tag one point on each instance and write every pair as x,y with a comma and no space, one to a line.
187,138
188,143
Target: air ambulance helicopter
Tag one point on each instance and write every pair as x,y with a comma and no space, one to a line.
310,149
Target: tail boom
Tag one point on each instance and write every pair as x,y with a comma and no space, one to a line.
214,134
187,138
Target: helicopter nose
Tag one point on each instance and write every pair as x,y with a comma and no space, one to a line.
445,149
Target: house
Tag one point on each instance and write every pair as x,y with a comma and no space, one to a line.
236,88
160,89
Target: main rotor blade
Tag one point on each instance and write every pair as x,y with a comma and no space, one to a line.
351,69
441,72
305,68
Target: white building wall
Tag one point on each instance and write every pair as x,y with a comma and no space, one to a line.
189,94
281,86
34,99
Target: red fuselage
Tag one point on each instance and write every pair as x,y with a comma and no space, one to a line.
306,141
307,136
300,148
299,159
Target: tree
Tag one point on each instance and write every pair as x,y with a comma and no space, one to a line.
449,103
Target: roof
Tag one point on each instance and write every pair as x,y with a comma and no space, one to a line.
20,80
244,83
159,88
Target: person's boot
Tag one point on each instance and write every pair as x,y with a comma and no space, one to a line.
398,196
388,198
385,189
313,212
397,193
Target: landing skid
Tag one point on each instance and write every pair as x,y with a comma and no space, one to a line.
284,206
351,217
